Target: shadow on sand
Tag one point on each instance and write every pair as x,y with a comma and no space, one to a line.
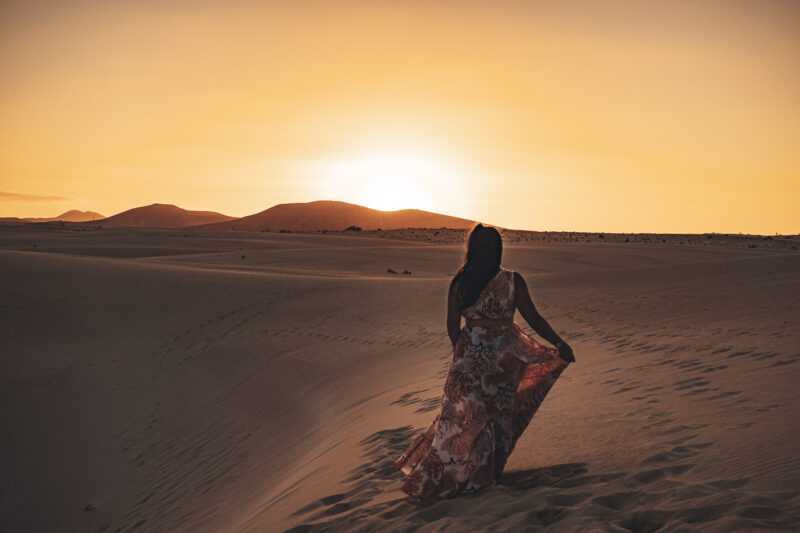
568,497
365,507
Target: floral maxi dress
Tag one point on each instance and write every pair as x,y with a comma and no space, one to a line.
497,380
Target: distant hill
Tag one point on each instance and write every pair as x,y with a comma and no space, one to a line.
330,215
73,215
161,216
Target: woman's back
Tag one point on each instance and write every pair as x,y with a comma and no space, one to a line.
496,300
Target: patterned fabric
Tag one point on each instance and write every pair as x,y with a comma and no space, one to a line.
497,380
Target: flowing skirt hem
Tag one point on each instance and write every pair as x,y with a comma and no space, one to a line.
421,464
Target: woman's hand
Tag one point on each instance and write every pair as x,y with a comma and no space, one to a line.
565,352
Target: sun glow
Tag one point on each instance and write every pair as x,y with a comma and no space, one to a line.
387,181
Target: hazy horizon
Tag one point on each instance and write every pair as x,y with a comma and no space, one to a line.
389,211
625,117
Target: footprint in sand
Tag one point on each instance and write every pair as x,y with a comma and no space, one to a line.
680,428
646,521
646,477
677,453
618,500
568,500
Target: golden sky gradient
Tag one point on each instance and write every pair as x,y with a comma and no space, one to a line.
679,116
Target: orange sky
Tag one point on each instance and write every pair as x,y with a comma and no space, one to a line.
679,116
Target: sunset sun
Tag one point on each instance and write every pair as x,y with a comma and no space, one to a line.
387,181
387,193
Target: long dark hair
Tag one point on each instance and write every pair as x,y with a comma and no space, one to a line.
482,262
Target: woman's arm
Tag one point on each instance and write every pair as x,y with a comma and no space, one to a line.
522,298
453,314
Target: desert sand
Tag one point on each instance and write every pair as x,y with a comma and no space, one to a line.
172,380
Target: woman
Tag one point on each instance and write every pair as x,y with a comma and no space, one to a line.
497,380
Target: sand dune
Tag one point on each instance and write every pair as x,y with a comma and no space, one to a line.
329,215
161,216
200,381
73,215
